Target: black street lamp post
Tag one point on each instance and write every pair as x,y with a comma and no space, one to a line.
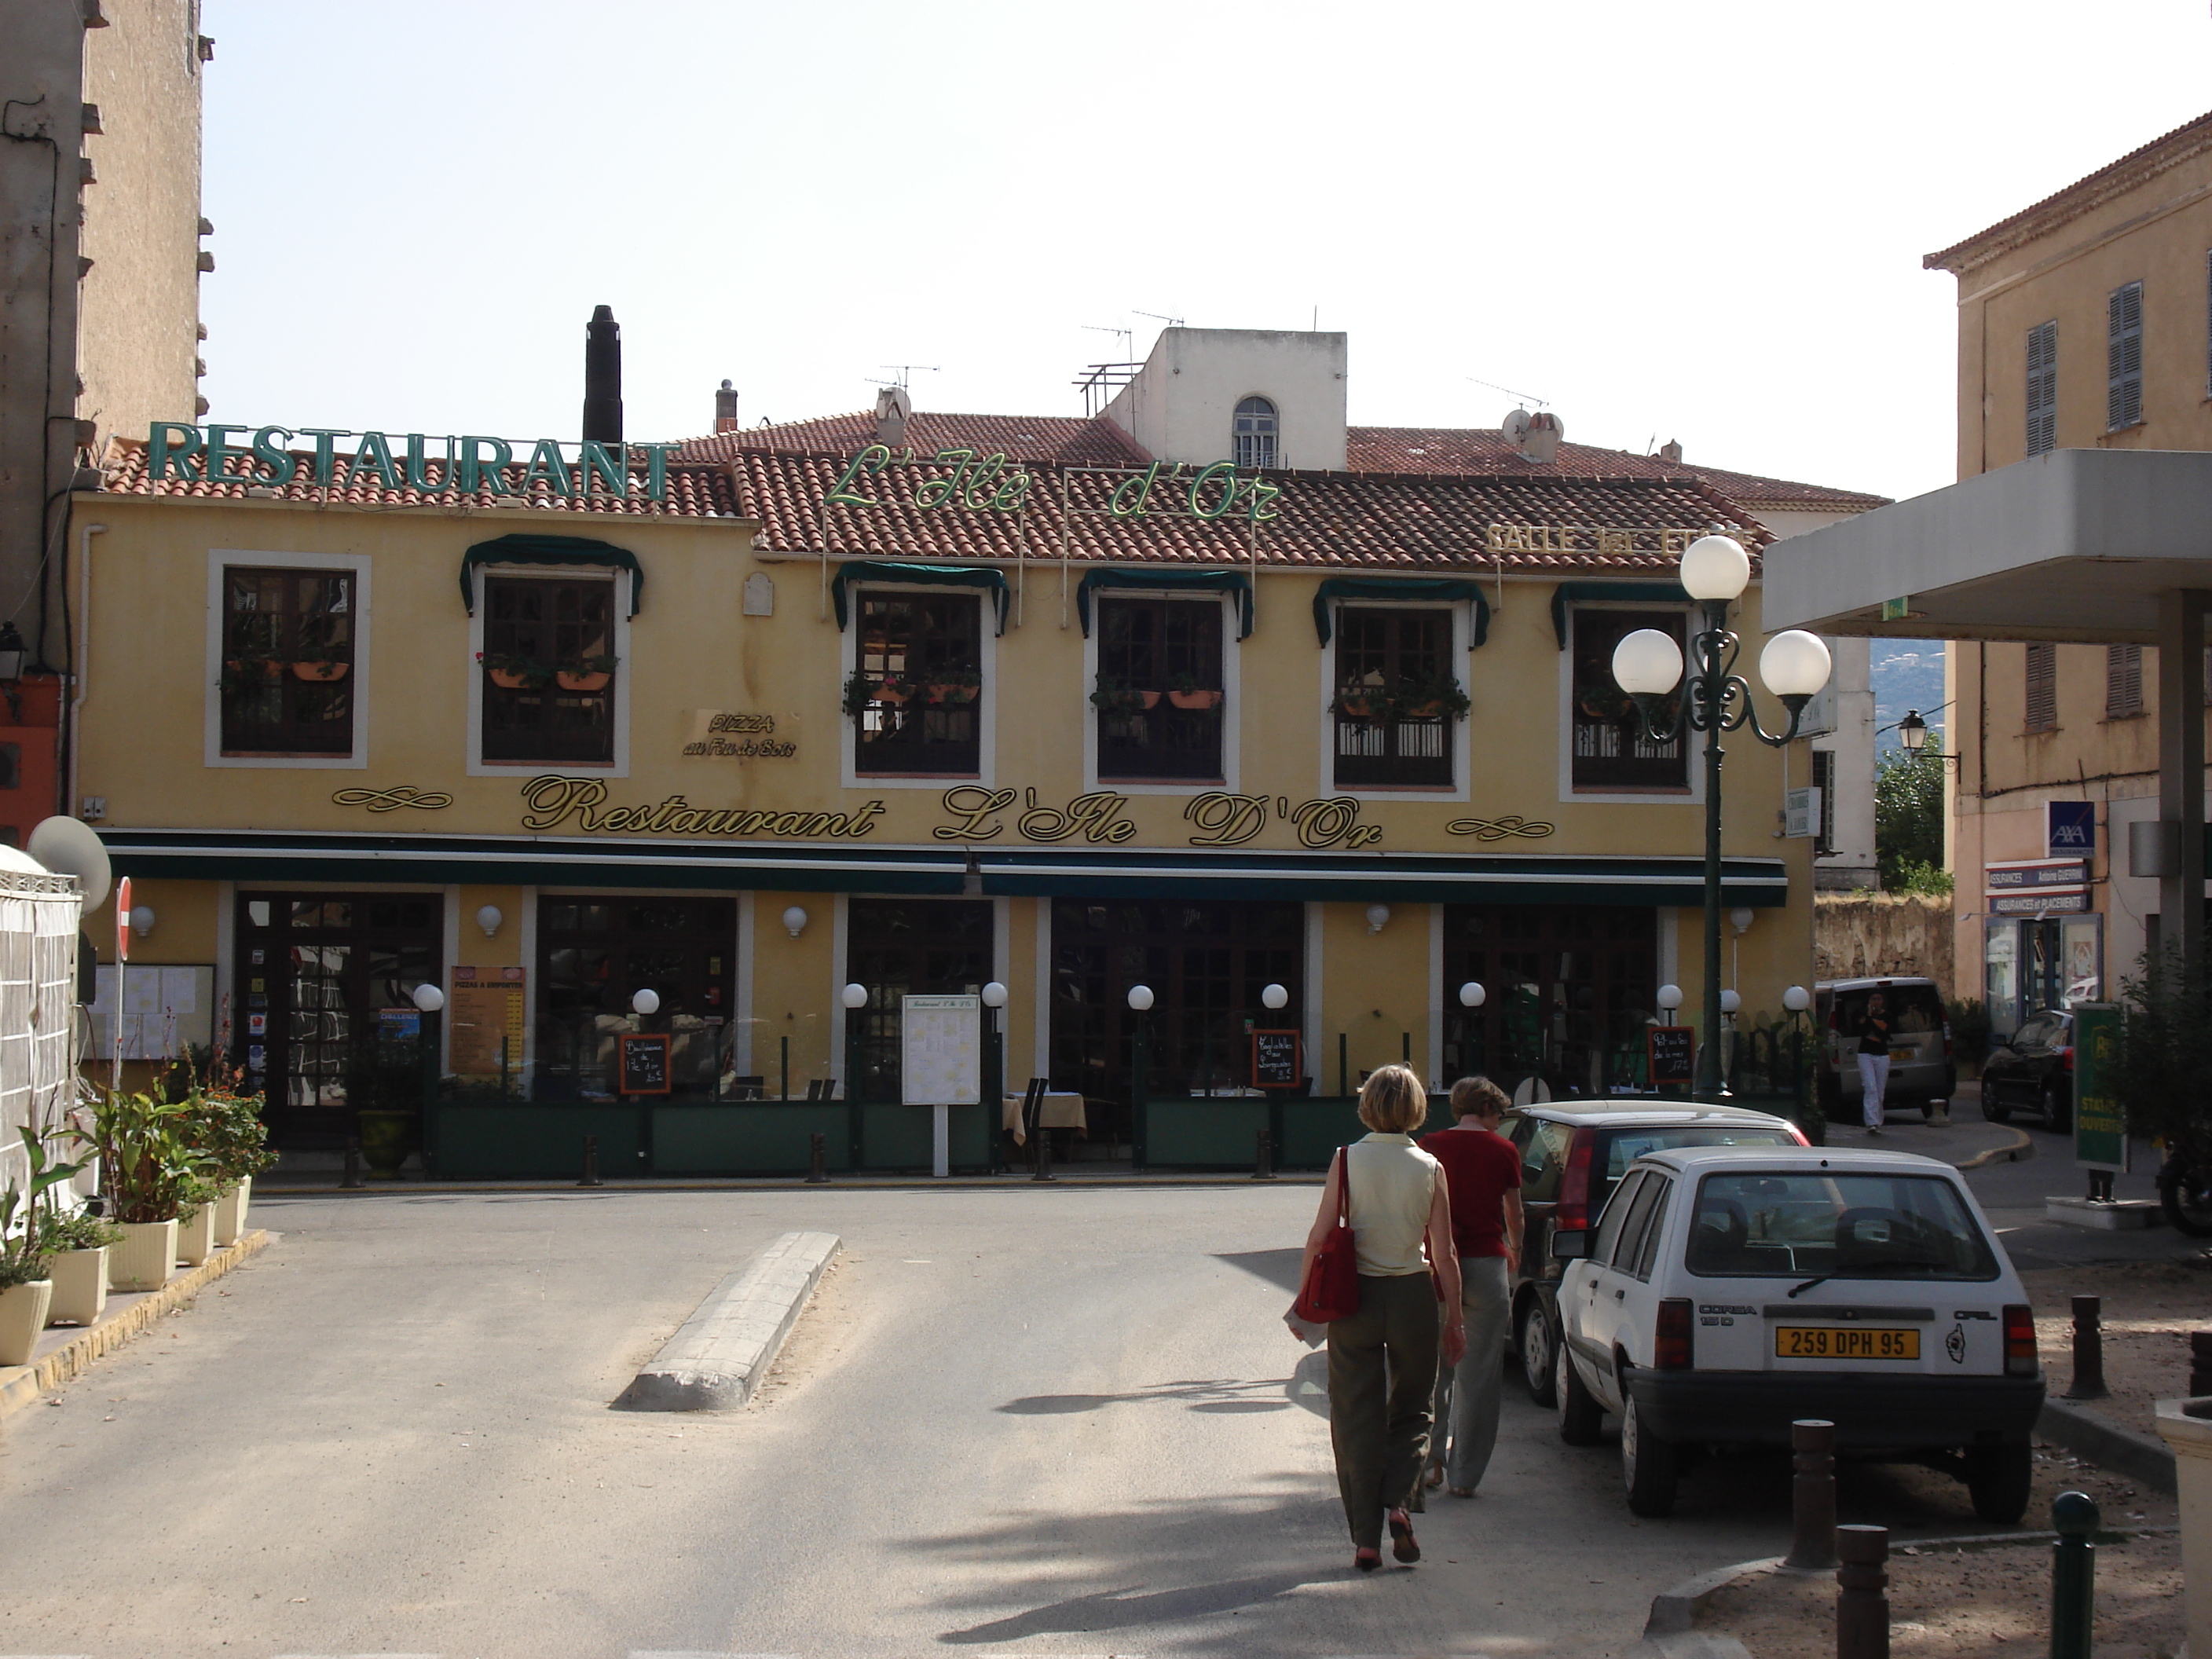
1648,665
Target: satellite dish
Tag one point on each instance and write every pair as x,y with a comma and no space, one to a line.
1514,428
1540,443
70,847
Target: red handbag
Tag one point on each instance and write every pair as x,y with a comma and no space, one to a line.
1331,1291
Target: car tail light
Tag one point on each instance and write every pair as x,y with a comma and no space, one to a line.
1573,1214
1673,1348
2066,1058
2019,1340
1946,1039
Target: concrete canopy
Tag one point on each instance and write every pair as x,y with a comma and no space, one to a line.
2075,544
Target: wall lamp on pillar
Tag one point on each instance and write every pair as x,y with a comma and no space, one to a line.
488,919
1912,733
1378,917
141,919
1716,700
794,921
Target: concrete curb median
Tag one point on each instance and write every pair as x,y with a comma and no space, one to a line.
2140,1457
716,1360
23,1385
2021,1149
1674,1611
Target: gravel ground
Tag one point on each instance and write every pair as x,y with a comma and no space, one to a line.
2150,1307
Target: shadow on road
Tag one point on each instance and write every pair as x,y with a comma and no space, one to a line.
1119,1609
1279,1267
1220,1395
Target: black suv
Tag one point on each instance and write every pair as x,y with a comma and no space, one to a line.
2032,1071
1573,1154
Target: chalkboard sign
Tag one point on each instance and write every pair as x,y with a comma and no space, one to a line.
1276,1060
645,1063
1673,1054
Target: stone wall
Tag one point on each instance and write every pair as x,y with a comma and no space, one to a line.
1875,934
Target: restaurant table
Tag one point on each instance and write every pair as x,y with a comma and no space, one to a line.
1058,1111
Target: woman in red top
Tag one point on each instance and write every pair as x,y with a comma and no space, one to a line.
1485,1173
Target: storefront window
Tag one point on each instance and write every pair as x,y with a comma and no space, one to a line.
898,947
1207,965
1569,992
288,662
548,669
1611,750
1160,680
918,685
1389,665
595,954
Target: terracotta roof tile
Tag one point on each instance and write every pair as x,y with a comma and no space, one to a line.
694,491
1326,520
1060,438
1485,450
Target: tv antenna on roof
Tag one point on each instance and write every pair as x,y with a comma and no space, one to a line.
1525,397
1127,337
1172,322
903,370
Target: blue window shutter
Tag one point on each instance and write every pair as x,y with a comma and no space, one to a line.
2042,387
2124,358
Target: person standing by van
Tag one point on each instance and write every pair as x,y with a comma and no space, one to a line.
1873,1061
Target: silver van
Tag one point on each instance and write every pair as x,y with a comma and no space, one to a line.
1922,1071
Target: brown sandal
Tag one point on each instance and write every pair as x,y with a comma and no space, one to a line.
1402,1543
1366,1559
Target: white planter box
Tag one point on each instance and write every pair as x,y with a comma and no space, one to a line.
195,1238
2191,1438
23,1316
80,1286
230,1214
145,1258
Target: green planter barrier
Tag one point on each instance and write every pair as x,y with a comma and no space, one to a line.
531,1141
748,1137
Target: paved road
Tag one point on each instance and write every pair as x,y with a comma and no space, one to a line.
1017,1422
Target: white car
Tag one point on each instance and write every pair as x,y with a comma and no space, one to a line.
1730,1290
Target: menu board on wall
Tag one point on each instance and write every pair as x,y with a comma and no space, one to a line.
167,1009
478,1018
941,1050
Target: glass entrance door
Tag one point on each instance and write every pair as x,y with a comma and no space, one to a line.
1569,992
314,969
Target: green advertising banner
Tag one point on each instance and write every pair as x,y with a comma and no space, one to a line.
2101,1128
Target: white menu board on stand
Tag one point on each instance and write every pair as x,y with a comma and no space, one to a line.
941,1050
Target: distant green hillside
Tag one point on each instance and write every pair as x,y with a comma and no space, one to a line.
1907,674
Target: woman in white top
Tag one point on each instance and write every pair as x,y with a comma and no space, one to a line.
1382,1360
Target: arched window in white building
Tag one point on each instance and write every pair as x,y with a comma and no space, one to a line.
1255,433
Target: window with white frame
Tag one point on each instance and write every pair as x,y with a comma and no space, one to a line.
287,660
1254,433
1613,751
548,669
915,692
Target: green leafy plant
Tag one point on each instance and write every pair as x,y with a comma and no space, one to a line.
81,1231
952,685
2164,1053
1360,702
1916,876
598,663
1969,1026
1427,699
864,688
1118,697
24,1252
1908,812
530,671
148,1168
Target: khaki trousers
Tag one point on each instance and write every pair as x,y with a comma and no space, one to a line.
1381,1378
1468,1397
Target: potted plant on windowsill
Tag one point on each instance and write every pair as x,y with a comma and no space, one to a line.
1604,703
864,688
1120,697
1358,702
248,674
589,674
321,669
514,672
956,686
1187,693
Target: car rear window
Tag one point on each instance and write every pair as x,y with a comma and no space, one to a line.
1913,1009
1619,1148
1773,1225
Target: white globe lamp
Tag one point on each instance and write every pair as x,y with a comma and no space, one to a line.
855,996
1716,568
1647,663
645,1002
488,919
1670,997
1275,996
429,997
994,996
1796,998
1472,995
1730,1002
1141,997
794,921
1795,664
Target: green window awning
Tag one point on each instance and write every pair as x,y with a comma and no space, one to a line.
894,570
525,549
1402,587
1569,593
1173,581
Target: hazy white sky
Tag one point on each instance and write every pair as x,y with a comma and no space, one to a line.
1701,220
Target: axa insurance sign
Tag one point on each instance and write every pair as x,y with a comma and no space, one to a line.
469,463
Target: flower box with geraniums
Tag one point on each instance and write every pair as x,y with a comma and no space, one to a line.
511,672
1185,692
1429,700
865,687
588,673
1120,697
26,1291
954,686
1360,701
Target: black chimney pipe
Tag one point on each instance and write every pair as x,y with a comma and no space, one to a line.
603,405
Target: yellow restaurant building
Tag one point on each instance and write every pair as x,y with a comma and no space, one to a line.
743,722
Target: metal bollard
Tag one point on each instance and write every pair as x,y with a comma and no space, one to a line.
591,1162
2088,1349
2200,1363
352,1178
1813,1496
817,1161
1043,1155
2073,1574
1263,1157
1861,1593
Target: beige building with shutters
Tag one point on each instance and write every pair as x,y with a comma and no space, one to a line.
2085,321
